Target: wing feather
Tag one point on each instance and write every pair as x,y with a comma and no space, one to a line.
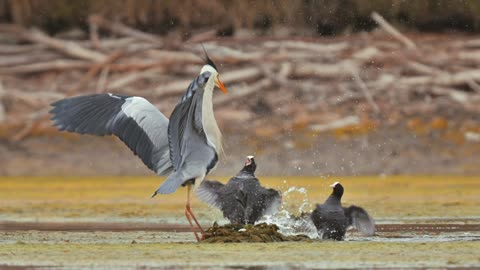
360,219
208,191
139,124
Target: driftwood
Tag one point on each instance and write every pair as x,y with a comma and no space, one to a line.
318,74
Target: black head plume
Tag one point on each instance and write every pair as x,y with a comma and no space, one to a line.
208,60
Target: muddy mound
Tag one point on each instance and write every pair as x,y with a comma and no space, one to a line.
260,233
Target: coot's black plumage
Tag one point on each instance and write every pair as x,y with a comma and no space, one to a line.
332,220
242,200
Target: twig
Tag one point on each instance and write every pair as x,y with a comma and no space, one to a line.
94,38
133,77
361,84
95,69
473,85
32,121
2,108
102,80
392,31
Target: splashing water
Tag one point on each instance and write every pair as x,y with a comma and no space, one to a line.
288,222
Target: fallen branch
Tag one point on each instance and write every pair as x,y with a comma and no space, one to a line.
242,91
118,28
338,70
68,48
392,31
133,77
178,87
340,123
54,65
95,69
365,91
3,114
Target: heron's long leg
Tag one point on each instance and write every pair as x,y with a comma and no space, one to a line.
189,214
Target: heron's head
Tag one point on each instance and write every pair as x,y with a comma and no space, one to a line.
212,68
250,165
337,189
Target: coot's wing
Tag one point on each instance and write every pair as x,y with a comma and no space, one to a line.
272,200
139,124
208,191
360,219
234,204
318,217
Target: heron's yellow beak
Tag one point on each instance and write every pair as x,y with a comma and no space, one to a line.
220,85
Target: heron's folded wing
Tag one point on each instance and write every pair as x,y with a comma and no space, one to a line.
360,219
139,124
208,192
183,112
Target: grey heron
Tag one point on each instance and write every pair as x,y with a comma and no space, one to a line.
332,220
186,147
242,200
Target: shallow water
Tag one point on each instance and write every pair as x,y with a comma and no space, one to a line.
110,223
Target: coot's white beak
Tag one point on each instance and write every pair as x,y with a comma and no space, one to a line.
334,184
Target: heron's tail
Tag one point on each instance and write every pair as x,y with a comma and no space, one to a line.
171,184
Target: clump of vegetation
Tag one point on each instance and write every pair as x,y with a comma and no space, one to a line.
260,233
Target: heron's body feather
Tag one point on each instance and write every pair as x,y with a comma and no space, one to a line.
192,135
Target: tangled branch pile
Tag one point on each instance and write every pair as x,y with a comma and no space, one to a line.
319,84
259,233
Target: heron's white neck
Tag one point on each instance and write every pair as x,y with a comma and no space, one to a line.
212,132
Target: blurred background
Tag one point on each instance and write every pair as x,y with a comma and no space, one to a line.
327,87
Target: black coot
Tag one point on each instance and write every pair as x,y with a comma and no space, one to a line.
242,200
332,220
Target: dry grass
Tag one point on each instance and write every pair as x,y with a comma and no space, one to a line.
30,198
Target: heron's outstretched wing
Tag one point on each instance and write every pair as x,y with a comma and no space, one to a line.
139,124
360,219
209,191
